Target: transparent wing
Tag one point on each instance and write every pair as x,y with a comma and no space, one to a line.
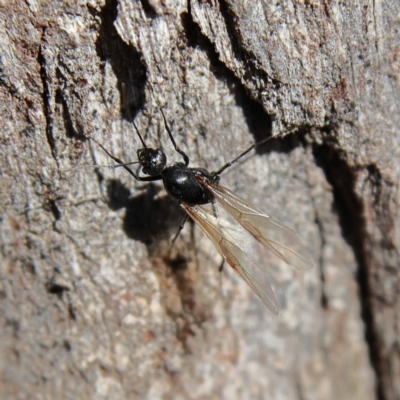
278,238
233,242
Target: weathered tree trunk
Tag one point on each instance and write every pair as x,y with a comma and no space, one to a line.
92,305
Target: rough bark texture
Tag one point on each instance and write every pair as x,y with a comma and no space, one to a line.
91,305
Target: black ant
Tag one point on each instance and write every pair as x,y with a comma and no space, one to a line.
202,197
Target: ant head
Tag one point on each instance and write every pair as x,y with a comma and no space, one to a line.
153,161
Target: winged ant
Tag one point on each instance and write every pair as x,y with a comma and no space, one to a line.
230,222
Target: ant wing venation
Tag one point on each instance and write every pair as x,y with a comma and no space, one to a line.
233,242
278,238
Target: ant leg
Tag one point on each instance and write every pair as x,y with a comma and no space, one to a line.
123,165
181,225
215,211
230,163
221,266
126,164
235,160
181,152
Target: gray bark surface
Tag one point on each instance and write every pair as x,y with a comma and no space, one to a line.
92,305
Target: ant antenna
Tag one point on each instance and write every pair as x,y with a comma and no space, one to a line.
181,152
128,113
123,165
140,136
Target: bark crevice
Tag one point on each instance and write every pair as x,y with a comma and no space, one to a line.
46,96
350,210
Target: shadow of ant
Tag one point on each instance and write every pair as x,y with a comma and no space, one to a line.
148,217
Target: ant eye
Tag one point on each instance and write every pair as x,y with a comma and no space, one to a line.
159,160
160,157
143,155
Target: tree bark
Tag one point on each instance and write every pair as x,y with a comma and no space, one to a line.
92,302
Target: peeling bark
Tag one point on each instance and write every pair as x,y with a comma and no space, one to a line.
92,305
